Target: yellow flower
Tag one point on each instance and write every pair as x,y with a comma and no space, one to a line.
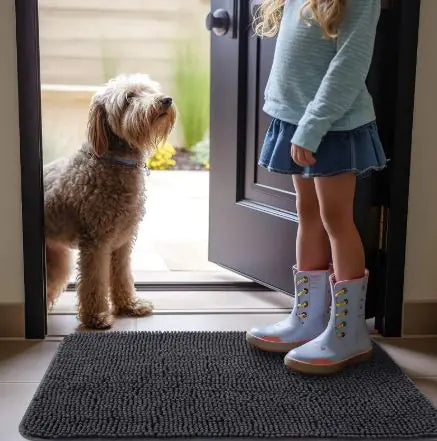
162,159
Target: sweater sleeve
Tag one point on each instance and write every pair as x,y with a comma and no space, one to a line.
346,75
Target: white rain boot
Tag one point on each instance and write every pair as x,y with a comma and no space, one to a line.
346,339
306,321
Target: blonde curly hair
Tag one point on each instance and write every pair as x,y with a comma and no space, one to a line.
328,14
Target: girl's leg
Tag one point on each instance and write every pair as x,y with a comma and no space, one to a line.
308,318
336,199
312,245
346,339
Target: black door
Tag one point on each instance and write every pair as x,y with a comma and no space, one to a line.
253,221
253,212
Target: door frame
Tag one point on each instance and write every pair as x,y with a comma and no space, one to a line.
397,180
395,220
32,190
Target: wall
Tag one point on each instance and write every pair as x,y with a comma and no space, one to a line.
420,292
11,269
88,41
421,259
11,260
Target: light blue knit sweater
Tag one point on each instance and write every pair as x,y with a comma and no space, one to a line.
319,84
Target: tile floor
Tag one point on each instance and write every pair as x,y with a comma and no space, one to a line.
23,363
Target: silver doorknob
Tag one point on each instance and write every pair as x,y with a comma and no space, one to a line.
218,22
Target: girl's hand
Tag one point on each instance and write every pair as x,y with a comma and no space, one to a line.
302,156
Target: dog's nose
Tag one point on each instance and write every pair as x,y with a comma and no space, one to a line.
167,101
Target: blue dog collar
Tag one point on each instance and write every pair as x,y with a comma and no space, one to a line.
132,163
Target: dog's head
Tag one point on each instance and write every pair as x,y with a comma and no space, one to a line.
133,108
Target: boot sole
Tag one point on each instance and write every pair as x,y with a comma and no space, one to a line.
268,346
314,369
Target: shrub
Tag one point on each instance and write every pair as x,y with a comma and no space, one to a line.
162,159
200,152
191,80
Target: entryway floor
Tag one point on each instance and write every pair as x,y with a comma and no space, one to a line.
185,301
23,363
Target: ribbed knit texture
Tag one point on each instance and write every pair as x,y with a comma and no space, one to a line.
318,83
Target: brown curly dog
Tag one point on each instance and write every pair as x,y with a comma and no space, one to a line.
94,200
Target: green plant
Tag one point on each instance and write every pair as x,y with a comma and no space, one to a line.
191,79
162,159
200,152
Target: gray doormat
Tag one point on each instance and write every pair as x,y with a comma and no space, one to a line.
210,384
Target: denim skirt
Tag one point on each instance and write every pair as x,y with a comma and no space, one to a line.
358,151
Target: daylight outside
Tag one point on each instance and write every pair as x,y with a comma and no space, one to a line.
83,43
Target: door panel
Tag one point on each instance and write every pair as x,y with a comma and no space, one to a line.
253,220
247,235
272,189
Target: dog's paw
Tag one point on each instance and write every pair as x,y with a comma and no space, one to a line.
102,320
136,308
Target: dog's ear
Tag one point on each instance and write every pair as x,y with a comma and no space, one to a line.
98,128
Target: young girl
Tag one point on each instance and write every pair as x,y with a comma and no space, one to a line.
324,134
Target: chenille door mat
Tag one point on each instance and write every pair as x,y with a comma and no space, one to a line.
211,385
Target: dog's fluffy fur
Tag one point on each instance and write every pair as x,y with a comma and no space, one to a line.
95,204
